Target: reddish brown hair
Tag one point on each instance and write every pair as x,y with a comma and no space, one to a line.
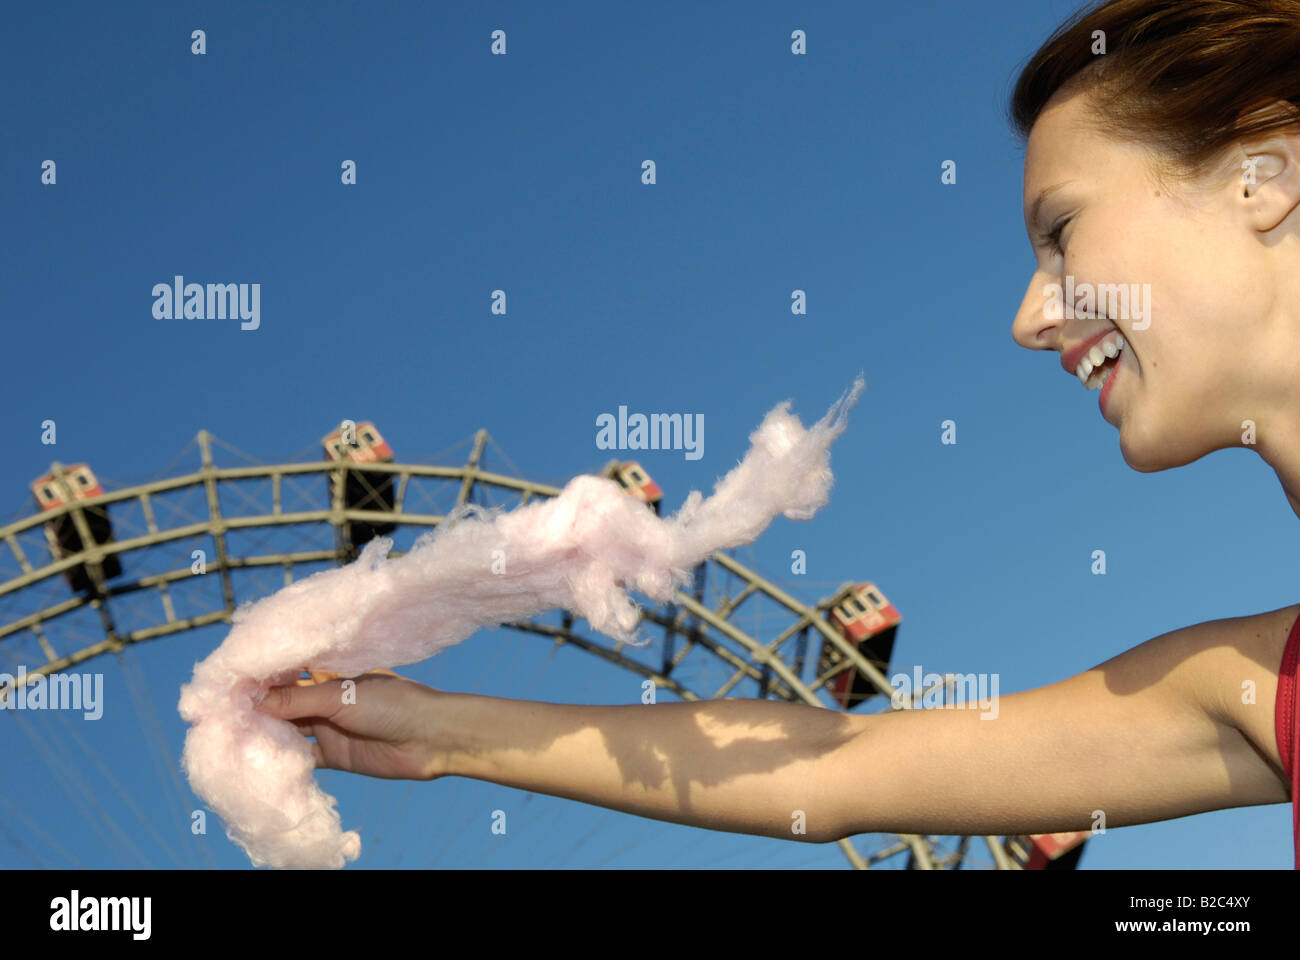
1189,76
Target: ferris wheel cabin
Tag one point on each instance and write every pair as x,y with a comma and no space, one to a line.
631,476
863,616
61,532
362,489
1049,851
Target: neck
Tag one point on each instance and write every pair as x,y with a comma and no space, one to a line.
1292,499
1279,446
1278,402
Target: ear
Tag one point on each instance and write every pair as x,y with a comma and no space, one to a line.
1270,180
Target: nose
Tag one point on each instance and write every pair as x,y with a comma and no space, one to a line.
1033,329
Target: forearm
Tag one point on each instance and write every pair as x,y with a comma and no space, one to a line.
745,766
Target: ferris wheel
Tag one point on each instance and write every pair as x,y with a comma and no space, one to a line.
93,572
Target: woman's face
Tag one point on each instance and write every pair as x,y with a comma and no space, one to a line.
1206,354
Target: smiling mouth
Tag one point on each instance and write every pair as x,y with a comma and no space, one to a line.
1100,361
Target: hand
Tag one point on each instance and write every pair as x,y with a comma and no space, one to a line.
387,732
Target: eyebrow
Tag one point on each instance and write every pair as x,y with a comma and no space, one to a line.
1043,195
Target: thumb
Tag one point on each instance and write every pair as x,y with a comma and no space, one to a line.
313,700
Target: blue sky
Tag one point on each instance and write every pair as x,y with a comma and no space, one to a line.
523,173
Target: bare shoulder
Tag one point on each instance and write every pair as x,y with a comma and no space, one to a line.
1229,669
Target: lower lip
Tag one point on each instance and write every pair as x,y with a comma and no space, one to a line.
1106,388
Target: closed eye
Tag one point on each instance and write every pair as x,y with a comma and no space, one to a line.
1053,237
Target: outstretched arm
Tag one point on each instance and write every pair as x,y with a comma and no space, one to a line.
746,766
1154,733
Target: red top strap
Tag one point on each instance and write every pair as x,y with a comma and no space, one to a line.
1288,727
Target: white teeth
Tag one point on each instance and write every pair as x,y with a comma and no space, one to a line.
1108,348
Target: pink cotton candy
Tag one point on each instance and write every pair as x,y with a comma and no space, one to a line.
580,551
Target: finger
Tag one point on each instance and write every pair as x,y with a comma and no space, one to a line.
318,756
305,727
293,702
